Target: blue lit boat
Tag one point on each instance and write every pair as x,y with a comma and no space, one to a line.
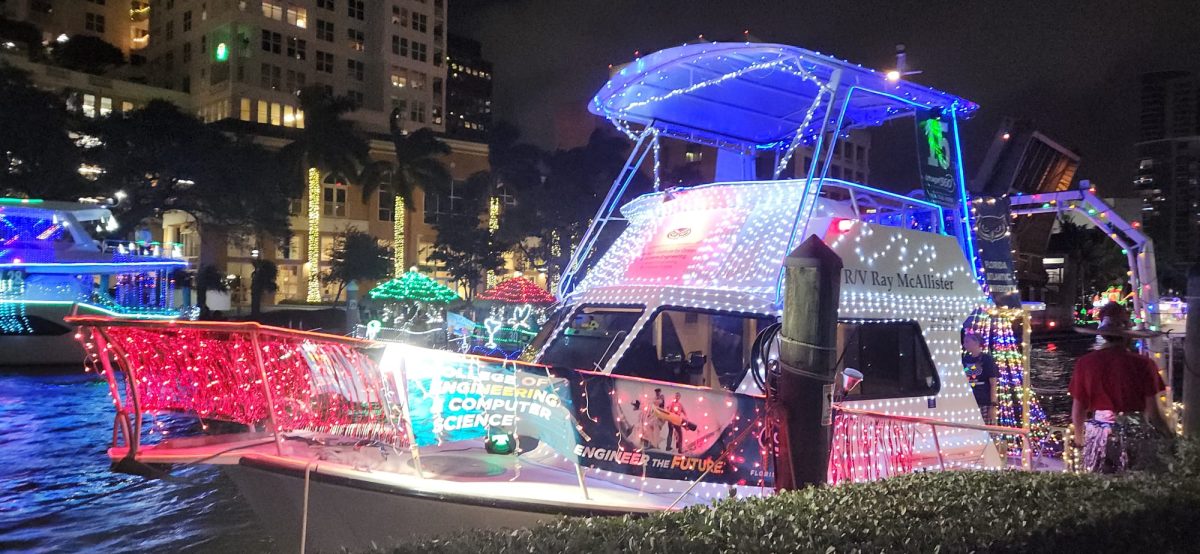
51,266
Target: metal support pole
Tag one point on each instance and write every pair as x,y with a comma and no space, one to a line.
1026,392
262,371
1191,357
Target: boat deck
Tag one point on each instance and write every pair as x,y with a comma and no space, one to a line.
538,480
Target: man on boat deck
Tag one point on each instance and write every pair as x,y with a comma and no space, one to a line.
1121,388
983,373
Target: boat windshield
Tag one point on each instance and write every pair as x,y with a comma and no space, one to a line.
693,347
591,338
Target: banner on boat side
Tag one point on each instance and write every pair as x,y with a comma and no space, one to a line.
453,397
658,430
993,239
935,159
624,425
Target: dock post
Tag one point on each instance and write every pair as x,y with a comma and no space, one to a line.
1191,356
801,403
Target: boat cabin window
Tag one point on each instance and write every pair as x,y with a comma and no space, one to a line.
892,356
693,347
592,336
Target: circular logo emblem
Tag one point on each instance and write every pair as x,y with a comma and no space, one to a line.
679,233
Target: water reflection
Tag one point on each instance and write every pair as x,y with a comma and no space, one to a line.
52,456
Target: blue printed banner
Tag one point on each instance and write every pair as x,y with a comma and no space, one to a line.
620,424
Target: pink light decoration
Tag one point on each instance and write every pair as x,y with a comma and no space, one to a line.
870,448
518,290
211,370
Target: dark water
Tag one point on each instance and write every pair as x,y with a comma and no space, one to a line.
57,493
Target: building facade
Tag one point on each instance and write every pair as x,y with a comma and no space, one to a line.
240,64
468,90
1168,164
122,23
686,164
247,60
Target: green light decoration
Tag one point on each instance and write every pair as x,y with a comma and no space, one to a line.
222,52
937,143
413,286
9,200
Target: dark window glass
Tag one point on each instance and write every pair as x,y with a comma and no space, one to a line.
892,356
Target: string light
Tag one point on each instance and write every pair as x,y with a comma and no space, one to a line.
314,236
412,285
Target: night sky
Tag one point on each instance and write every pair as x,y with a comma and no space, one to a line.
1071,67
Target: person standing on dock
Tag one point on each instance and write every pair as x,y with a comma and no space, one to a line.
1120,388
983,373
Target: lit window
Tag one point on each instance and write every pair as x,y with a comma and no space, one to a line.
126,107
272,10
299,118
89,105
399,80
297,16
105,106
276,114
244,114
263,111
356,39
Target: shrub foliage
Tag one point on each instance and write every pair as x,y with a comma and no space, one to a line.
932,512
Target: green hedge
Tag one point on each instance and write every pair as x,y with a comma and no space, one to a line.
933,512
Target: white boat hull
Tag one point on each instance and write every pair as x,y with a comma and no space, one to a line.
355,514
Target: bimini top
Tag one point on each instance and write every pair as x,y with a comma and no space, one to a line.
754,94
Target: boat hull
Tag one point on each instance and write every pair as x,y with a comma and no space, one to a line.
355,515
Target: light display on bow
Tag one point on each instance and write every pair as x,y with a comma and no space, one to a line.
411,308
243,374
515,311
995,327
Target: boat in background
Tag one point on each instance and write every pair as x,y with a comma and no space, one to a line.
51,266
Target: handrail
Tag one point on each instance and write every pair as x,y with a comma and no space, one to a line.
935,422
247,326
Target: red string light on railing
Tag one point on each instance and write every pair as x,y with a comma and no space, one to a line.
303,383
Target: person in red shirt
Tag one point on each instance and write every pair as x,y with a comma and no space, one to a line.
1120,389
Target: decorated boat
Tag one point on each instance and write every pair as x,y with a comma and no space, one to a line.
50,266
651,386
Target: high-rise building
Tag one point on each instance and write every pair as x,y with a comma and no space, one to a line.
1168,164
247,60
122,23
468,90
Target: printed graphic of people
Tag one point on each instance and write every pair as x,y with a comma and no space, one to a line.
675,423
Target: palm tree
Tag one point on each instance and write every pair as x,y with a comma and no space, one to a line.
262,281
328,142
418,165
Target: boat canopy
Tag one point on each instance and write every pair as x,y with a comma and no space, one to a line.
768,93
